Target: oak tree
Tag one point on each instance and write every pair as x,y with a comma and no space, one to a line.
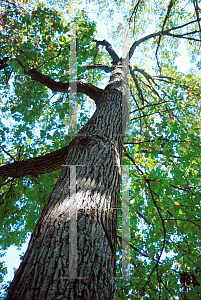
147,117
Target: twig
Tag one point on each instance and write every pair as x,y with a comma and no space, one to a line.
6,152
164,236
125,240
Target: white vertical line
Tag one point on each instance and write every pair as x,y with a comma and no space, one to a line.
125,168
73,226
125,70
125,223
73,83
73,255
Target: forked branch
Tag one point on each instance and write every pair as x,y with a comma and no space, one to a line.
160,33
109,49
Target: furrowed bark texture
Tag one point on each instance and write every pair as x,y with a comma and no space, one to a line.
35,166
97,152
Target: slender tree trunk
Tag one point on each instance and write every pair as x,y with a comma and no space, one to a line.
44,273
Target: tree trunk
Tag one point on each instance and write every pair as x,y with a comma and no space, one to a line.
96,151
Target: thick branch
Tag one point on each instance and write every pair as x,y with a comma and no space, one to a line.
47,163
110,50
99,66
58,86
35,166
64,87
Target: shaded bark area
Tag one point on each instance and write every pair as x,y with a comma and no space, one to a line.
97,151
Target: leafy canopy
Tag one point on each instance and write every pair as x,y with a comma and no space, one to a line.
33,120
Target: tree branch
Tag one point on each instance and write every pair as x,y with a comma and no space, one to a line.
6,152
195,3
109,49
154,104
151,88
35,166
141,215
3,63
132,160
138,108
183,36
148,78
47,163
153,35
135,10
128,243
58,86
143,72
14,4
164,235
153,113
170,5
140,93
64,87
99,66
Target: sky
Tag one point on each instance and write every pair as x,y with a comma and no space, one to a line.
11,259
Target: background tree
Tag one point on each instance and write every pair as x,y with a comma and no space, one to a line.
163,144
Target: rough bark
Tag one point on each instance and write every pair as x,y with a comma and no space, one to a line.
35,166
97,150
